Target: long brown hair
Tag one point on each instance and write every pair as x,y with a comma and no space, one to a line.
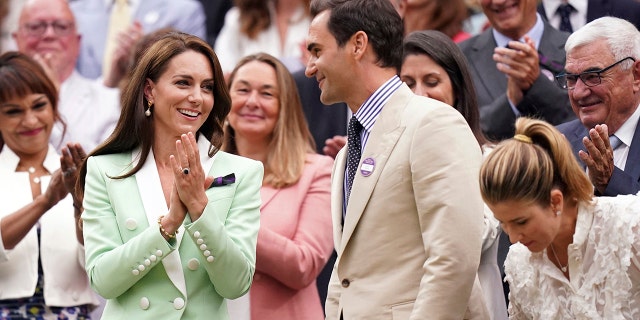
134,129
291,140
20,75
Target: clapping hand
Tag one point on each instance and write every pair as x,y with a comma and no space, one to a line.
598,157
521,63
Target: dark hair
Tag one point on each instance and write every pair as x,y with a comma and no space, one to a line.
20,76
441,49
377,18
134,129
291,139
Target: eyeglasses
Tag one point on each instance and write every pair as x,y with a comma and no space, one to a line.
589,78
37,29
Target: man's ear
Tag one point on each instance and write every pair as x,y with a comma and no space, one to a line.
635,70
360,42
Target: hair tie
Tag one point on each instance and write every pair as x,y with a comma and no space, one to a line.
523,138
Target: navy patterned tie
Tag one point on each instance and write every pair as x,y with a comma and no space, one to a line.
353,151
564,10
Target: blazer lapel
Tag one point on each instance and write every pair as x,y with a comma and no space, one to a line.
632,167
384,136
482,60
152,195
154,205
337,190
267,194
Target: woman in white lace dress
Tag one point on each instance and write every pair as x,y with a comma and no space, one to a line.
574,256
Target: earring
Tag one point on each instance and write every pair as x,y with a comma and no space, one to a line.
148,112
558,213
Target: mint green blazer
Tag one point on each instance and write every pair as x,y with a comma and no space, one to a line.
140,274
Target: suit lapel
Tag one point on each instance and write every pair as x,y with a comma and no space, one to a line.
632,167
482,60
337,190
151,194
154,205
552,44
267,194
384,136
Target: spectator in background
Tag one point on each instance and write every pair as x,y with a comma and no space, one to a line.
513,64
608,97
4,10
433,66
581,12
47,32
41,253
266,123
141,16
276,27
574,256
446,16
215,11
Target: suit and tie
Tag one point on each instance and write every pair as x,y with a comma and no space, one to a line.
92,19
624,9
625,181
142,275
543,100
410,242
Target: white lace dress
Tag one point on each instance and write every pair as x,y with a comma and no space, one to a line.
604,268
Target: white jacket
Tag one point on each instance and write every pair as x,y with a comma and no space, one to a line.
62,256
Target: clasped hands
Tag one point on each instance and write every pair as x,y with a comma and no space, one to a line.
598,157
520,62
190,182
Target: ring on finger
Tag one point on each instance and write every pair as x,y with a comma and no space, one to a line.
185,170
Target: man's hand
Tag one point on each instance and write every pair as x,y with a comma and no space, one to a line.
521,64
598,157
333,145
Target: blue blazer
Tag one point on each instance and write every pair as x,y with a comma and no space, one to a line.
143,276
92,21
622,182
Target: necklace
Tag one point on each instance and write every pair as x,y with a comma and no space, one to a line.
563,268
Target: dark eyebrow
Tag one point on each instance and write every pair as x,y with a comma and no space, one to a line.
311,46
38,99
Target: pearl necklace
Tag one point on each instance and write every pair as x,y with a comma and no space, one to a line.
563,268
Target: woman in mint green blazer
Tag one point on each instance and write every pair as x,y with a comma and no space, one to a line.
170,223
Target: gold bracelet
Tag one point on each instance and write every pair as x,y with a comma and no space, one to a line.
171,236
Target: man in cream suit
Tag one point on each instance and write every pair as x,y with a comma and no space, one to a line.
408,233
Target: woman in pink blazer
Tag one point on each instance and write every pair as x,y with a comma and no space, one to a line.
266,123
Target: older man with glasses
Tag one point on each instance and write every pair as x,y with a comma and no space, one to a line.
47,32
602,78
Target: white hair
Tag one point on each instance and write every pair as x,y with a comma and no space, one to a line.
621,36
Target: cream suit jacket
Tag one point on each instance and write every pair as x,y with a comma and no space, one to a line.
412,236
130,263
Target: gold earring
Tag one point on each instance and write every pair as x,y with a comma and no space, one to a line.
148,112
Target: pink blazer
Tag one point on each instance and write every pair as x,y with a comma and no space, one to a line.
294,243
